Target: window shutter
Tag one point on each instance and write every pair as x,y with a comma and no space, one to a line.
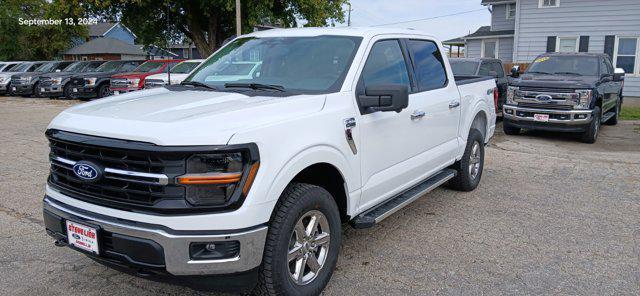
584,44
551,44
609,44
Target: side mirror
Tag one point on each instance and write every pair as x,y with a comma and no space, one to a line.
618,74
388,97
57,70
515,72
493,74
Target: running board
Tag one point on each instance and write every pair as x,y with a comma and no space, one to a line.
608,116
392,205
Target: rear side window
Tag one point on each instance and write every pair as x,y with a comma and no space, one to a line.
430,70
497,67
129,66
485,68
385,65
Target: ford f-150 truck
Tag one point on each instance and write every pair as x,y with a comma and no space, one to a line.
566,92
96,84
5,77
56,84
28,83
126,82
484,67
250,180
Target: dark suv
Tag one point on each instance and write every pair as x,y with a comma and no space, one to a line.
483,67
96,84
567,92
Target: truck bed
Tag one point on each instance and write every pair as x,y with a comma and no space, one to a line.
466,79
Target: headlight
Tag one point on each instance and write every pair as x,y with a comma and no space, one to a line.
56,81
212,179
134,81
584,98
511,94
2,78
90,81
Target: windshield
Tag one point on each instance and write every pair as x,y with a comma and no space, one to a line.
21,67
91,66
576,65
149,67
48,67
10,67
461,67
109,67
75,67
301,64
184,67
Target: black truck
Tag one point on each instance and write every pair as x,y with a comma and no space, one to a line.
462,67
86,86
56,84
565,92
28,83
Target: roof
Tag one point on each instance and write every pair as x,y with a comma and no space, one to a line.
106,45
485,31
455,41
493,2
99,29
342,31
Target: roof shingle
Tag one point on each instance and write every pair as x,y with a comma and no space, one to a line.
106,45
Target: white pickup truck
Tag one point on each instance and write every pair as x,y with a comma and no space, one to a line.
251,180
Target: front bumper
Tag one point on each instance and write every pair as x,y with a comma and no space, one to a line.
172,245
121,90
52,90
559,120
83,92
22,89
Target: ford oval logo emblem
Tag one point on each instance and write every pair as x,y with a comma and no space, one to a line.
86,171
544,98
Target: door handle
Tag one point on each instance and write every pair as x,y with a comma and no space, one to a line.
417,114
454,104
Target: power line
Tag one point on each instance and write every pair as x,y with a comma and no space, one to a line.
431,18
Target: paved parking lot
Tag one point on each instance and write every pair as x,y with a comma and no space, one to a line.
551,216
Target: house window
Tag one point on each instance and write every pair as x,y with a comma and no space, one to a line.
627,53
548,3
489,48
567,44
511,11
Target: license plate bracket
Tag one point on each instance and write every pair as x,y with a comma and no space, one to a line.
541,117
83,237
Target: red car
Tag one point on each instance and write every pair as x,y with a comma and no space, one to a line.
134,80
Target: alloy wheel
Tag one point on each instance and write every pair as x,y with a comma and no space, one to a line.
308,247
474,160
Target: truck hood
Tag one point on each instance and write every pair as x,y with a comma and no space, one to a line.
555,81
182,118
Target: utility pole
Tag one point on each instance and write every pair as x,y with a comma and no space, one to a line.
238,19
168,46
349,15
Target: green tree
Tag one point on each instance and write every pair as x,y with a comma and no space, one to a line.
37,42
209,22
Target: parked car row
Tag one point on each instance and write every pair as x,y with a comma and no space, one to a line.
87,80
563,92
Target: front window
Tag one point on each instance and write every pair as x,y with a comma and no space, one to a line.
511,11
184,67
18,67
569,44
149,67
75,67
548,3
627,55
91,67
565,65
48,67
298,64
489,49
463,68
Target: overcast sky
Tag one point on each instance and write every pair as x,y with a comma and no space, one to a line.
377,12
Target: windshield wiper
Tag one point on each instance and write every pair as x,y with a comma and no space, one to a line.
538,72
198,84
568,73
255,86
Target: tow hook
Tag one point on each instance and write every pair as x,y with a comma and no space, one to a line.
60,243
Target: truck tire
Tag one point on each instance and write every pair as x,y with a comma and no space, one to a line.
510,130
103,91
470,166
591,135
293,243
66,91
614,120
36,91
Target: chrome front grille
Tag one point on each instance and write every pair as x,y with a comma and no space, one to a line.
119,82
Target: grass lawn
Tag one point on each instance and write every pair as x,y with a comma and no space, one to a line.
630,113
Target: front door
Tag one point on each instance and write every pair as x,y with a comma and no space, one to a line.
395,145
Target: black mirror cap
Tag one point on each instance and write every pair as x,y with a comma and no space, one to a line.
515,72
384,98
